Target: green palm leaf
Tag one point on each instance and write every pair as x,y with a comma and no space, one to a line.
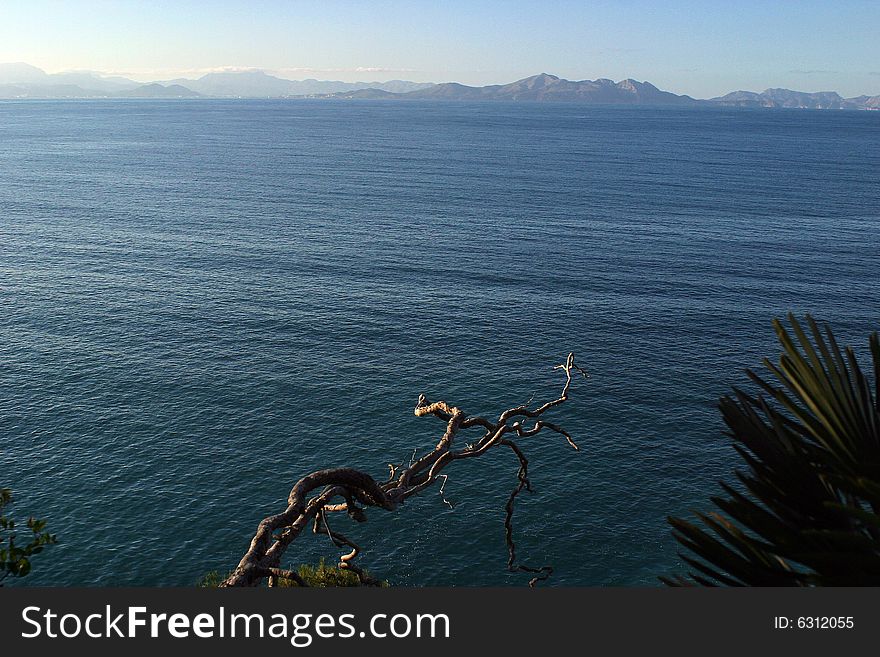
806,511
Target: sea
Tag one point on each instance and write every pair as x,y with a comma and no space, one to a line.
201,301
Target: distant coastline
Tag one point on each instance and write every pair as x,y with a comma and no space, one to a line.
23,81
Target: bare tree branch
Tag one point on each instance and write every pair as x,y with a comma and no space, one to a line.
323,492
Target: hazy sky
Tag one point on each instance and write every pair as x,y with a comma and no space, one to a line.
702,48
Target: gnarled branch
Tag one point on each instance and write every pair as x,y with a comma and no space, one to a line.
320,493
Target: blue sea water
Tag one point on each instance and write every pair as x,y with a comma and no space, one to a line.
202,301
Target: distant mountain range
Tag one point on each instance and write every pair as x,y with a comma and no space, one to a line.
26,76
797,99
259,84
26,81
543,87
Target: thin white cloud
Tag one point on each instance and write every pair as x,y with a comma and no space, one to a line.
356,69
166,73
148,74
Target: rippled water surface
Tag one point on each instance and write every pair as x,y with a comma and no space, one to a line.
201,301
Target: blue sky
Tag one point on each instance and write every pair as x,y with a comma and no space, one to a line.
699,48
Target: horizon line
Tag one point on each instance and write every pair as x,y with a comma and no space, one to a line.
281,72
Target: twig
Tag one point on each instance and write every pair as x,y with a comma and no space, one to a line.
312,498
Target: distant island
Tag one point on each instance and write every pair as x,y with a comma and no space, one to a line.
545,87
20,81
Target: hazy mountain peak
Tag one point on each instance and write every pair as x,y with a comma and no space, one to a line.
156,90
778,97
536,81
15,72
635,85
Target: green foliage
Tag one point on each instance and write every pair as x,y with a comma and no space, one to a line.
809,514
15,557
323,576
210,580
320,576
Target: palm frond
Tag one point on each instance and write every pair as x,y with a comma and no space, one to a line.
806,510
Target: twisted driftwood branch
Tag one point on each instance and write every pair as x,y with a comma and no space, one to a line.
318,494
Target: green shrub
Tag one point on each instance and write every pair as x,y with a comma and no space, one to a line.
320,576
15,558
